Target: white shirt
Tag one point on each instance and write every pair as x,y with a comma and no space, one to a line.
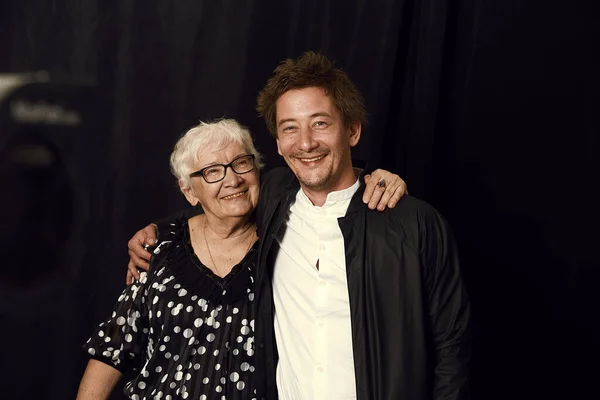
312,306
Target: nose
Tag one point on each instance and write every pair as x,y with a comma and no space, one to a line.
231,178
306,140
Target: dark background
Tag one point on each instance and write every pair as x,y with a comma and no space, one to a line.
488,109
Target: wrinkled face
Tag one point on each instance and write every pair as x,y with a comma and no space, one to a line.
313,140
234,196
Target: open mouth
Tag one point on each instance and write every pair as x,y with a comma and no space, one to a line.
235,195
314,159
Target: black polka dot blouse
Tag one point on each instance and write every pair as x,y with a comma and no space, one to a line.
186,332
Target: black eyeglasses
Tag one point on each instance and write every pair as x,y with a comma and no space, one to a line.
215,173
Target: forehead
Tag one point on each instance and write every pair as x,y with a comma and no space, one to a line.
220,153
297,103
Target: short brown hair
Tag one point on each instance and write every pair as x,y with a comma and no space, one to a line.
311,70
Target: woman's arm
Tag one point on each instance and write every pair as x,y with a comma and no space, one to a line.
98,381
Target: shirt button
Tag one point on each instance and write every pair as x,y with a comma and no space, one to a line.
322,283
321,247
320,369
320,324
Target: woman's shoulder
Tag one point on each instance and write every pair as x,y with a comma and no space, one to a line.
171,235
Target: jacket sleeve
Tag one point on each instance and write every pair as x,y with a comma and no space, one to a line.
449,310
182,215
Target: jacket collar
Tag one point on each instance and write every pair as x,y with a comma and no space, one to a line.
356,204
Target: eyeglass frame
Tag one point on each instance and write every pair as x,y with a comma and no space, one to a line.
225,166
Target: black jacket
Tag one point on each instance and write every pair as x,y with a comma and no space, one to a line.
409,310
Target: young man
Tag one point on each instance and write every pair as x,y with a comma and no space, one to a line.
359,304
351,303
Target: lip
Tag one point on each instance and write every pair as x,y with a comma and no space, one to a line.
309,160
235,195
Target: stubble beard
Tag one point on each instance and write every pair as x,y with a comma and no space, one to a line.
317,179
314,180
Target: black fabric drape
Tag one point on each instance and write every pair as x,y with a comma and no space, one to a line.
487,109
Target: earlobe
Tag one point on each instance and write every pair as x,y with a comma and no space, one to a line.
188,193
278,149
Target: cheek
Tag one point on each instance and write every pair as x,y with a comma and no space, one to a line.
255,194
285,146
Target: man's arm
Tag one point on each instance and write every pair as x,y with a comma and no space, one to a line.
449,312
98,381
137,247
383,189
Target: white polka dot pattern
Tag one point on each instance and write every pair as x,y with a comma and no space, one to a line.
188,333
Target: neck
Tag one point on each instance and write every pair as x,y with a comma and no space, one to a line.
228,228
318,196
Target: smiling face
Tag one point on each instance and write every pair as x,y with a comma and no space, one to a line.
314,142
235,196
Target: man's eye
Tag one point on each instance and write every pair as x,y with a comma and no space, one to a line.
242,163
320,124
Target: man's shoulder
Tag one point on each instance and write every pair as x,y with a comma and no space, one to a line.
274,184
278,173
413,213
277,180
412,219
410,205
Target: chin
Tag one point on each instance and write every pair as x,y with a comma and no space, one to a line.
240,211
313,182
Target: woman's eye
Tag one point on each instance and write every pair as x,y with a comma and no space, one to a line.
211,171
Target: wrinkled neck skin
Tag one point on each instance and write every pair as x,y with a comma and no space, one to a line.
226,228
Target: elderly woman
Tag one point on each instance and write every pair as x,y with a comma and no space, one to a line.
186,326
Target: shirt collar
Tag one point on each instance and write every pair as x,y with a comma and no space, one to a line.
344,195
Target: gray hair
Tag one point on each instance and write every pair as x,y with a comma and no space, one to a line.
208,136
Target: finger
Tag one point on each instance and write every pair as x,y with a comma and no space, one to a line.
378,192
132,273
142,237
385,197
138,261
150,233
398,193
393,192
129,278
139,249
136,246
370,185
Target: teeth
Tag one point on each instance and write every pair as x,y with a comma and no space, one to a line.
312,159
233,196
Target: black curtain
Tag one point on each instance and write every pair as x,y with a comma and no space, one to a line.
486,108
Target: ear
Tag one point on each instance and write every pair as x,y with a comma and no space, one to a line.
278,149
354,133
189,193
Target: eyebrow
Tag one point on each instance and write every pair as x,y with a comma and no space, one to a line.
318,114
217,163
